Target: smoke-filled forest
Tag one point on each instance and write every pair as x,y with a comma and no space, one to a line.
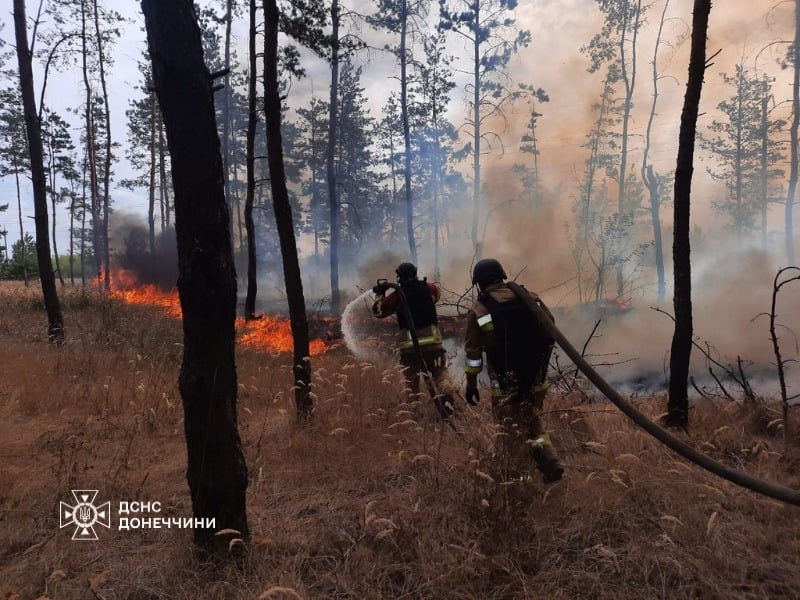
208,210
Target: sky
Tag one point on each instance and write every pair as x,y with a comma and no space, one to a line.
553,61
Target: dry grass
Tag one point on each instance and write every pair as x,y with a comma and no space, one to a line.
377,499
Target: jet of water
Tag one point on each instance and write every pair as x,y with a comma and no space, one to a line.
355,311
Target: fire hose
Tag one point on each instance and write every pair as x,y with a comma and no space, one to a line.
740,478
427,376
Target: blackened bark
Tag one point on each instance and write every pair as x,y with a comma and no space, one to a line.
283,215
55,322
107,158
678,403
252,121
217,473
151,198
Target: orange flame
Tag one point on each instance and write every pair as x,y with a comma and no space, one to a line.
272,333
269,333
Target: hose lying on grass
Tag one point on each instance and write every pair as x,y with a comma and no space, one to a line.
779,492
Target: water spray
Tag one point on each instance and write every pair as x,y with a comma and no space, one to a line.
349,317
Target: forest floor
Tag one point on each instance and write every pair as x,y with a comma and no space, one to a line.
376,499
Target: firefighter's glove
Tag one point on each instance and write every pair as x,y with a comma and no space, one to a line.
473,397
380,289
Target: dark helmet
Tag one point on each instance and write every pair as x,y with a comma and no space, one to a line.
486,271
406,271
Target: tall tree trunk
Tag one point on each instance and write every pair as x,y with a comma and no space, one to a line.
252,121
681,350
91,157
436,187
737,169
333,126
393,171
72,237
226,110
51,171
283,215
55,322
22,248
56,259
163,187
412,245
476,137
629,79
107,158
651,182
83,221
217,473
793,139
151,196
648,175
764,169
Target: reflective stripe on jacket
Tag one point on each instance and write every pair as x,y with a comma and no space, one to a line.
429,337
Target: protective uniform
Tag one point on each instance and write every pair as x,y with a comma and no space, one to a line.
517,354
421,297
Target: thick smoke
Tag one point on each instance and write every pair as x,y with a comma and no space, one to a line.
130,250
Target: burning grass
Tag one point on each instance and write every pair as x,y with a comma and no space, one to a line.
376,499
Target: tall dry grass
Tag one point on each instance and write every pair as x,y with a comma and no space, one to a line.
377,499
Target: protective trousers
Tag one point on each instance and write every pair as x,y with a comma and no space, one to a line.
436,364
522,436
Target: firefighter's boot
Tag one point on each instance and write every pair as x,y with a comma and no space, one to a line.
546,461
552,470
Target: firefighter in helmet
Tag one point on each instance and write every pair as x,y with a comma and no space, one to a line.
421,297
517,355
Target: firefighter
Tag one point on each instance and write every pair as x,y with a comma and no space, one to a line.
421,297
517,355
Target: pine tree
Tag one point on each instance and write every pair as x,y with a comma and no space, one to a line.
615,46
52,303
59,157
14,159
492,38
737,143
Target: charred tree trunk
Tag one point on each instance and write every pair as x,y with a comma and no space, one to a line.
151,197
283,215
678,402
217,473
252,121
108,145
55,322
